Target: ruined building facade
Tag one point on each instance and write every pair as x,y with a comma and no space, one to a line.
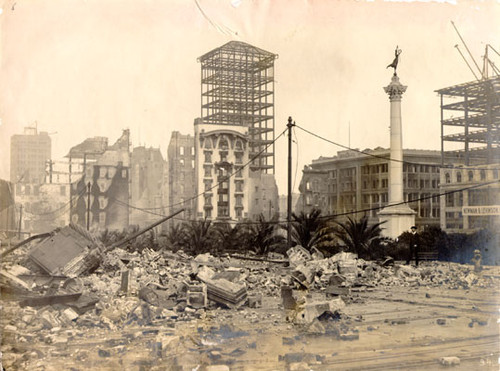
105,205
147,191
181,174
29,153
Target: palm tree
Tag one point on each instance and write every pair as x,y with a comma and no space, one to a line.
310,229
264,237
199,237
176,237
358,236
229,238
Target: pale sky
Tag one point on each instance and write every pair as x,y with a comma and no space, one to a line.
85,68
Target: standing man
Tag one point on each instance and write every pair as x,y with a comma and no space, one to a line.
414,245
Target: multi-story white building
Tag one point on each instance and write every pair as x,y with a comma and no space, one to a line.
357,184
221,177
471,199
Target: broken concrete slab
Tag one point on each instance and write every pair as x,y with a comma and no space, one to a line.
225,292
232,275
83,304
204,273
69,251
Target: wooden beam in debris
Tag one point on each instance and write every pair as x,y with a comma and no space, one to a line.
49,300
35,237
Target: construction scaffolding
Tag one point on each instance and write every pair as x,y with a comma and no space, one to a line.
237,88
476,130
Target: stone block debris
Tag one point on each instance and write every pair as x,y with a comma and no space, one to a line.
255,301
144,308
297,255
196,295
449,361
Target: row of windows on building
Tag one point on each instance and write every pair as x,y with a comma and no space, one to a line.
470,175
238,185
223,198
223,211
381,169
35,190
186,150
222,172
476,197
183,162
373,184
428,203
223,144
454,220
238,156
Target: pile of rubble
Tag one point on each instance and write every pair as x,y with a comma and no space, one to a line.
347,270
69,282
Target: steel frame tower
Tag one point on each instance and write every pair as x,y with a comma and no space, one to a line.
478,123
237,88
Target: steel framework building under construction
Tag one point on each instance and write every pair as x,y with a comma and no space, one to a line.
477,126
237,88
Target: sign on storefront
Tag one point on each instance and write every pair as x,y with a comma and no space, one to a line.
481,210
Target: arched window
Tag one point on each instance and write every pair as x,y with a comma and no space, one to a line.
459,177
471,175
208,143
238,146
447,177
223,143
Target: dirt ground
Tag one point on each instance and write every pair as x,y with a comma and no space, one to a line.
380,328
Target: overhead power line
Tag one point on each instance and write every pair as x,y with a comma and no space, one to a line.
149,210
386,158
352,212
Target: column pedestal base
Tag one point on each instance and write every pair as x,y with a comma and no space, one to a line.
398,219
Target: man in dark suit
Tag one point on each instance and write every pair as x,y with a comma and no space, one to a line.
414,246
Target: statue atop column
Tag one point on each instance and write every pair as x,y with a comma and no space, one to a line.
394,63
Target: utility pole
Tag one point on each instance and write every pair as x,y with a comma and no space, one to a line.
50,171
88,206
69,171
290,125
20,220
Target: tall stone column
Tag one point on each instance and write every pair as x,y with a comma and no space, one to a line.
398,217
